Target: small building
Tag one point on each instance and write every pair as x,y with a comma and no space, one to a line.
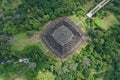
25,60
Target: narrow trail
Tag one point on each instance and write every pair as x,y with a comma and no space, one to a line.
82,20
31,65
18,78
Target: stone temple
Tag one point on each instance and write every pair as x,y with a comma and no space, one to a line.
62,37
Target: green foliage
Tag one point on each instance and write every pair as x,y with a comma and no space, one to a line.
32,15
45,76
108,50
66,76
99,60
6,51
115,8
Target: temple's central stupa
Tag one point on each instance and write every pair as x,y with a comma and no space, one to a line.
62,37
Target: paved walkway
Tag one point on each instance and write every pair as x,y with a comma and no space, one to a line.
97,8
94,10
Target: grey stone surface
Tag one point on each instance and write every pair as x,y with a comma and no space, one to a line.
62,37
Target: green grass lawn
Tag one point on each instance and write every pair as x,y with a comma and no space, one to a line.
106,22
22,40
1,77
75,18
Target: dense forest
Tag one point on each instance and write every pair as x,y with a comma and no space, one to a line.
99,60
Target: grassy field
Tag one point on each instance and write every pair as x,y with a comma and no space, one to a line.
75,18
22,40
106,22
1,77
